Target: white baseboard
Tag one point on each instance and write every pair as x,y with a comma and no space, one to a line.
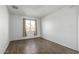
22,38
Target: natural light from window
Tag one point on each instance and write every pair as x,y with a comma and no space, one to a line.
30,25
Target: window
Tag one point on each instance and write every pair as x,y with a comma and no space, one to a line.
30,25
33,28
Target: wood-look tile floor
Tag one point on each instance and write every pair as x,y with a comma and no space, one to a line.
37,46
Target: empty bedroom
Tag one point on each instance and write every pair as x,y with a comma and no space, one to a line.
39,29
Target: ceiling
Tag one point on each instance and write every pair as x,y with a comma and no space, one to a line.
34,10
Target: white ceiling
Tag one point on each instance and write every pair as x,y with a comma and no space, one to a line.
34,10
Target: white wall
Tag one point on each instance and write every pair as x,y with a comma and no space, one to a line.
16,27
78,32
78,26
60,27
4,30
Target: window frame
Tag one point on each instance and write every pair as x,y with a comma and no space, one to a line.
24,29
